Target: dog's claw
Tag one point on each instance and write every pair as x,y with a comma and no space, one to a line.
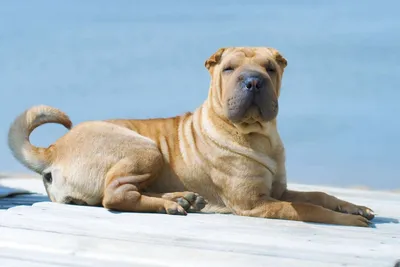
173,208
184,203
191,197
357,210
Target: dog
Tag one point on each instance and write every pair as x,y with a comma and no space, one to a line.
225,157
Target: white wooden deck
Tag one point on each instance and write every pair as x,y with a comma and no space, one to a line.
49,234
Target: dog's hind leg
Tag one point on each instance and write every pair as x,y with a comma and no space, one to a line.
128,177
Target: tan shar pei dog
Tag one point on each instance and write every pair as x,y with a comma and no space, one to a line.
225,157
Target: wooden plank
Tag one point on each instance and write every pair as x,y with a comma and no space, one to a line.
198,231
8,191
26,199
26,256
152,253
33,185
93,214
50,234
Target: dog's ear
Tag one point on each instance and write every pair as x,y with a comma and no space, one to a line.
279,58
214,59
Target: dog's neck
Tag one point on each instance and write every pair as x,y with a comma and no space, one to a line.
214,113
237,131
262,147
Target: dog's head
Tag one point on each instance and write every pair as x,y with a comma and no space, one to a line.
246,83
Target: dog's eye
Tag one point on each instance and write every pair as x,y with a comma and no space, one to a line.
47,177
228,69
270,69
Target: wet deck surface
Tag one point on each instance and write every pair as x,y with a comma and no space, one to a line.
35,232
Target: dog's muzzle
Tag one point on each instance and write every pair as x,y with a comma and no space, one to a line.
253,98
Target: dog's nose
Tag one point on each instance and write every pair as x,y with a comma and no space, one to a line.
253,83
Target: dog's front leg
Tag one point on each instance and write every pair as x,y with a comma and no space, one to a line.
251,197
274,209
327,201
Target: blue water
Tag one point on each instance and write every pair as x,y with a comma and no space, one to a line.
339,115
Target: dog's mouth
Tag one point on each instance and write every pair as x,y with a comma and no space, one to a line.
253,111
253,115
252,122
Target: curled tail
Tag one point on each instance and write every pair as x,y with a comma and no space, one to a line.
35,158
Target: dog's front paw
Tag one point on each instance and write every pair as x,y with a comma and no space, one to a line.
352,220
192,201
357,210
174,208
